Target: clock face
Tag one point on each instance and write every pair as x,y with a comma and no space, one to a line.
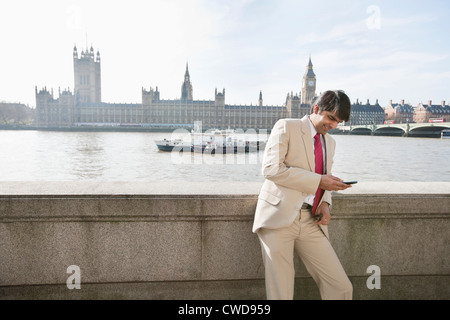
311,83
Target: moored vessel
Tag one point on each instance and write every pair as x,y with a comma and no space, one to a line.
170,145
213,142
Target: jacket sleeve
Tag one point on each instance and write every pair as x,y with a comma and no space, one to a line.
274,167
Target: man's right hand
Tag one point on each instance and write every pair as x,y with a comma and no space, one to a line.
332,183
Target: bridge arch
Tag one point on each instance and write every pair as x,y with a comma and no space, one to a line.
432,131
390,131
361,131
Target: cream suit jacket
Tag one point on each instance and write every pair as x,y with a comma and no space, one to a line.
289,172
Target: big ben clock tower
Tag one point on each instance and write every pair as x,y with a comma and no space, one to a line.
309,84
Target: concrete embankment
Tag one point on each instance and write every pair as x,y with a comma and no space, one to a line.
194,241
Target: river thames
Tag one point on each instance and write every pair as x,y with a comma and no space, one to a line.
133,156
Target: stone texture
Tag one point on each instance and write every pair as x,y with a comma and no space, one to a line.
198,243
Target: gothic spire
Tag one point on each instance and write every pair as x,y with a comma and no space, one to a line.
309,69
186,88
186,74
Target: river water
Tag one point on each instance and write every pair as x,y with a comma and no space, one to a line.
133,156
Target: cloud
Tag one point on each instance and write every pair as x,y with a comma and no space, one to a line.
335,34
405,21
243,46
361,31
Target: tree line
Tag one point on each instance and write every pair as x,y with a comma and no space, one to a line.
15,114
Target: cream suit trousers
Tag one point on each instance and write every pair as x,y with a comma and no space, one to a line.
316,252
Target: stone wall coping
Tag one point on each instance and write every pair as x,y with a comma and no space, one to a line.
43,188
153,240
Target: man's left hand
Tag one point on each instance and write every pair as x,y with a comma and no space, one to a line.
323,211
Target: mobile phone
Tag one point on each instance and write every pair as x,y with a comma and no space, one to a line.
350,182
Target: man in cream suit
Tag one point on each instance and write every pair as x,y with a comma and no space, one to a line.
287,218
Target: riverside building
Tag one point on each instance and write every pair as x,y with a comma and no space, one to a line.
84,107
366,114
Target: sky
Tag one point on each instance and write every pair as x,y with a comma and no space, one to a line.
386,50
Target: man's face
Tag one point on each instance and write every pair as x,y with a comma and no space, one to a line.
324,121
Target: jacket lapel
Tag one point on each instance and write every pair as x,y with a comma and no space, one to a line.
307,142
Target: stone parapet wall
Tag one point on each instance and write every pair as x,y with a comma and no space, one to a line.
194,241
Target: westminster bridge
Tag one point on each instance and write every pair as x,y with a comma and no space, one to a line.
397,129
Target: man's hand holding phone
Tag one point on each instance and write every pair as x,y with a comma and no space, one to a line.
332,183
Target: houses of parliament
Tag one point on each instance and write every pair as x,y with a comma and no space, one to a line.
84,106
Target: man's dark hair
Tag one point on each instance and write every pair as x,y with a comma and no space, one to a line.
334,101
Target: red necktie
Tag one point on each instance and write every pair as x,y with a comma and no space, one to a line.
318,154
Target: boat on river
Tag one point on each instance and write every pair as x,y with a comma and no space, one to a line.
173,145
213,142
445,134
